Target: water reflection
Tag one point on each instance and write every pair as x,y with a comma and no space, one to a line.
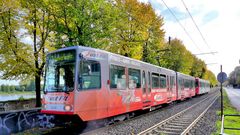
15,97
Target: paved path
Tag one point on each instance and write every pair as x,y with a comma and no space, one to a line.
234,96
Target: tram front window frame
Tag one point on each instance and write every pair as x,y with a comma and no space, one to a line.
60,71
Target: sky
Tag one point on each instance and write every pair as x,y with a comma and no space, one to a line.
219,23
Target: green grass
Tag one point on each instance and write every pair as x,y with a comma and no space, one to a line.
18,93
229,121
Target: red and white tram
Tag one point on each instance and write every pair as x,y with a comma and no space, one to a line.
95,84
202,86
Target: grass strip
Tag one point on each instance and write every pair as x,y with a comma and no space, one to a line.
229,121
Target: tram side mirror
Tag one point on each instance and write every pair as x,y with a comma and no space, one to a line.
80,56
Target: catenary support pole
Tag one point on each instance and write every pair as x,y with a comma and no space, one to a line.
221,96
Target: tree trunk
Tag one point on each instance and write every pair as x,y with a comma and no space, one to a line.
38,72
38,89
145,52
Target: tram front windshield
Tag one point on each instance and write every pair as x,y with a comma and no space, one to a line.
60,71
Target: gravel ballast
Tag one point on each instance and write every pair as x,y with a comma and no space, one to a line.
207,124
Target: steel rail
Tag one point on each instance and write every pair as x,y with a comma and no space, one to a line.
172,117
197,119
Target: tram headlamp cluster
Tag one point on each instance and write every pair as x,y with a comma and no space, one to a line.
67,108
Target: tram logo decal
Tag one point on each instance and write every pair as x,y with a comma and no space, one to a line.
96,55
57,98
129,96
158,97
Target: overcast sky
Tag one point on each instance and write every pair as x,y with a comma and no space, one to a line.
219,23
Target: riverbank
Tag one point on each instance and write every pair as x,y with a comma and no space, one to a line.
18,93
4,96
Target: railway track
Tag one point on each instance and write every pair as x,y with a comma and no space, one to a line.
182,122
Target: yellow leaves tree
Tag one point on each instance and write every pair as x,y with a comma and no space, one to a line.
15,56
177,58
83,22
38,22
19,60
138,33
209,75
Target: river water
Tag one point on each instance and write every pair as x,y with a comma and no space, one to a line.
15,97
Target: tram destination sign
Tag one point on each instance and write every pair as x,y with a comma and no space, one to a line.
222,77
62,56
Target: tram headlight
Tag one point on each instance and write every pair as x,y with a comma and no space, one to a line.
67,108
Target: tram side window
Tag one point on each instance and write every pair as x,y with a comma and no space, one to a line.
163,81
149,82
171,81
134,78
155,80
193,84
180,83
186,83
89,75
190,84
117,77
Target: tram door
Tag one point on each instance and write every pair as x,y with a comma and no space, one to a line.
146,89
169,93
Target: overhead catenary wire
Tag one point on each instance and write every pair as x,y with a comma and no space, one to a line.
181,25
196,25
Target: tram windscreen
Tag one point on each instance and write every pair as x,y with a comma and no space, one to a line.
60,71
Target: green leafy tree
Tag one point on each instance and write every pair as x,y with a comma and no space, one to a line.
80,22
198,67
138,33
11,88
2,87
178,58
14,55
153,34
234,77
22,88
209,75
38,22
7,88
127,39
21,18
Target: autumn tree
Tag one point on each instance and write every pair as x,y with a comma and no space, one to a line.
198,67
127,37
15,56
209,75
178,58
152,32
19,19
38,22
80,22
138,33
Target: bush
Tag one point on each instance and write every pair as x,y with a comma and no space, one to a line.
21,98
